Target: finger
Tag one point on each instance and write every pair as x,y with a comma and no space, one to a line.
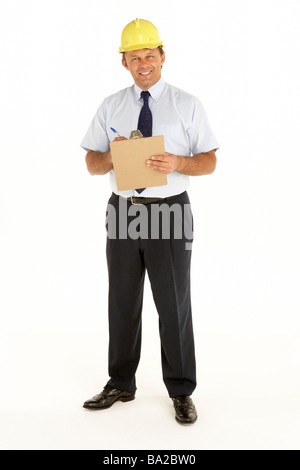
161,169
158,157
120,138
157,163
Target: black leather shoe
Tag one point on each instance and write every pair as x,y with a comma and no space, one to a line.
185,409
107,398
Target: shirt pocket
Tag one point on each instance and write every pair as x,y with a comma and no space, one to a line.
175,137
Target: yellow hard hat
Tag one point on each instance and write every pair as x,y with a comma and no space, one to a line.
139,34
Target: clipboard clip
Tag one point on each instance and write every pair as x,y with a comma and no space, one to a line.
135,134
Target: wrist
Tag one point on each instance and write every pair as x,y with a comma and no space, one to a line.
109,157
180,164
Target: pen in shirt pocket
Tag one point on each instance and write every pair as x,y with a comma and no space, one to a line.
115,132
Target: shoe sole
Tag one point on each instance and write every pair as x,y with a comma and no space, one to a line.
123,399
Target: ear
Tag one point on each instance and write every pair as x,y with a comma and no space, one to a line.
163,58
124,63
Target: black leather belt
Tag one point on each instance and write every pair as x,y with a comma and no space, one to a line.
144,200
147,200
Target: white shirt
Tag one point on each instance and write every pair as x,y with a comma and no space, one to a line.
177,115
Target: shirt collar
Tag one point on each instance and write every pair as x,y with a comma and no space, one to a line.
155,91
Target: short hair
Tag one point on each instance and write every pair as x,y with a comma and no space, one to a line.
160,48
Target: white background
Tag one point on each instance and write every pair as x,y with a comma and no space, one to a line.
58,60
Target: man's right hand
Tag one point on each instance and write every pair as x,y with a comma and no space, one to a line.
100,163
120,138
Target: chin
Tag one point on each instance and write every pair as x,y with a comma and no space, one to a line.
147,84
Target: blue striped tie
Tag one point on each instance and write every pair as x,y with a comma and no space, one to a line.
145,121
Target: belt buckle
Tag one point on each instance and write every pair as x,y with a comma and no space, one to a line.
135,203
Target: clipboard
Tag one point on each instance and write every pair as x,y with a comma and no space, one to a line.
129,160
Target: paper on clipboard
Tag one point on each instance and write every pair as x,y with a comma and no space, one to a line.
129,160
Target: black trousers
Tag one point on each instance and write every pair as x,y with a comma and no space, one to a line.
147,245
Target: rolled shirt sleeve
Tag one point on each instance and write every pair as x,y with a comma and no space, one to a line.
202,138
96,137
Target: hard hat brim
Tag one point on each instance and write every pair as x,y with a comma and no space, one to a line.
136,47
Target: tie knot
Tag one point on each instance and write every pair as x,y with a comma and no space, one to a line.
145,95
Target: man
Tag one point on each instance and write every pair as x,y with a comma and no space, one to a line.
155,108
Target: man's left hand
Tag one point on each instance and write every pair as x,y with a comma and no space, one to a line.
164,163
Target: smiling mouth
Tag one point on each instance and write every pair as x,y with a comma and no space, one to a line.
145,74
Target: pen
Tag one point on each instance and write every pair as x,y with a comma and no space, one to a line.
116,132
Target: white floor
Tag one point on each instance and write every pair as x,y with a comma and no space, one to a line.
225,422
247,395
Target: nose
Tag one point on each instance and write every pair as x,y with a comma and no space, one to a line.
143,62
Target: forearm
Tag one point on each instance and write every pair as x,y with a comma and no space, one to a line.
98,163
200,164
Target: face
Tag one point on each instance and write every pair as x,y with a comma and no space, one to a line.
145,66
